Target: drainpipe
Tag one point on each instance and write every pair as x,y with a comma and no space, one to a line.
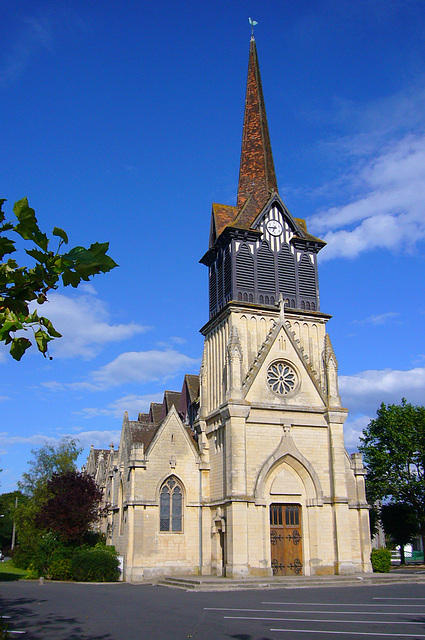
200,520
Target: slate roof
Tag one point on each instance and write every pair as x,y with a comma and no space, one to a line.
156,412
142,433
97,453
171,398
192,382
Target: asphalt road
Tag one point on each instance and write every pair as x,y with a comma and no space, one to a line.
65,611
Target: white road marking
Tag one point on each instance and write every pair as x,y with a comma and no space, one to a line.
378,598
339,613
341,604
353,633
319,620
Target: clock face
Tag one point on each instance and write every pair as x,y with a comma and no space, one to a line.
274,227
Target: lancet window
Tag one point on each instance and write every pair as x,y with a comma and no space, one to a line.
171,506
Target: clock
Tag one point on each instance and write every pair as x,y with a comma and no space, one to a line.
274,227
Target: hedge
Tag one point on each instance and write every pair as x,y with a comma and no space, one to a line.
381,560
94,565
52,559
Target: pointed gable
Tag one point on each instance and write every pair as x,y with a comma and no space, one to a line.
282,374
172,423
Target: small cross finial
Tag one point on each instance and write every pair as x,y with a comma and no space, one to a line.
253,23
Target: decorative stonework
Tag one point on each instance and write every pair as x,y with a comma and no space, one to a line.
281,378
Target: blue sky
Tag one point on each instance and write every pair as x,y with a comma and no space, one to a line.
122,122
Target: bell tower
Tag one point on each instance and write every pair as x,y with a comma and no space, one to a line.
270,421
258,250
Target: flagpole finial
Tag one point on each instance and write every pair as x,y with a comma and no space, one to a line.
253,23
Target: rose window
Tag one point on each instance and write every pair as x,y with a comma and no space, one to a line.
281,378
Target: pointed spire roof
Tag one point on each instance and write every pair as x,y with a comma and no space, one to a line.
257,177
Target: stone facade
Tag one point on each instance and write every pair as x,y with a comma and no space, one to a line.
244,472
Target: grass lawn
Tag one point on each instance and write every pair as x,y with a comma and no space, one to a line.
9,572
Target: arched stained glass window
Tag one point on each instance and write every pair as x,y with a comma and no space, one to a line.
171,506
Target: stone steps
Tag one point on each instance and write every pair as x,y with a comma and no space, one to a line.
214,583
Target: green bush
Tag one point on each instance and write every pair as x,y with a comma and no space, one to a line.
381,560
94,565
51,558
21,558
59,567
37,556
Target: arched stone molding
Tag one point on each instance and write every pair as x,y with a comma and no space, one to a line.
288,453
162,481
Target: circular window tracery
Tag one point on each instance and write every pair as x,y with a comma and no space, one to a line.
281,378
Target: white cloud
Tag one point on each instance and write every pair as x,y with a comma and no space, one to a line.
353,429
53,385
99,439
36,439
143,366
85,325
380,319
364,392
132,403
386,207
133,366
33,36
172,341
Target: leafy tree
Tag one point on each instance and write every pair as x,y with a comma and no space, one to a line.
48,460
19,286
72,507
393,447
400,525
55,522
7,515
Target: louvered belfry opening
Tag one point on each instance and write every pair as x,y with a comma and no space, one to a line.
258,275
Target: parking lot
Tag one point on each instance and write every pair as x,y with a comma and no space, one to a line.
65,611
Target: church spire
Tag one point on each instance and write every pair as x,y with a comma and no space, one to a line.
257,176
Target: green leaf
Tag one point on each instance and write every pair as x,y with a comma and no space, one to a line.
42,339
38,255
18,348
61,234
50,328
6,246
19,285
72,278
27,227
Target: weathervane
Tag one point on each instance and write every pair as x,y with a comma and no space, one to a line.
253,23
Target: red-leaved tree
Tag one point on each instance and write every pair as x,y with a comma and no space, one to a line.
72,508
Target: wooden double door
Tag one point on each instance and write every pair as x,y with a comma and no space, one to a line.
286,539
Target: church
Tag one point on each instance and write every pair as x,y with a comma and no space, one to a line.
244,471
